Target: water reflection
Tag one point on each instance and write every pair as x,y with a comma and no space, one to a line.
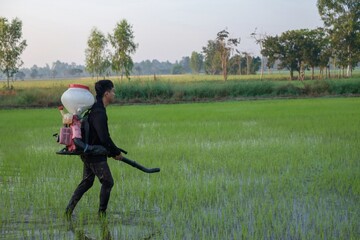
80,233
45,224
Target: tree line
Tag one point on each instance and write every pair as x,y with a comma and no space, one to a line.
58,70
213,60
109,55
336,44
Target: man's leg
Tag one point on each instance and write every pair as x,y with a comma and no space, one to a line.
102,171
85,184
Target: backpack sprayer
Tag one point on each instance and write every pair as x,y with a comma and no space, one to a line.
78,101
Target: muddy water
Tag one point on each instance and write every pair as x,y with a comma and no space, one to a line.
134,225
21,218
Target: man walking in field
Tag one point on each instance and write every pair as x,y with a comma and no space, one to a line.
96,165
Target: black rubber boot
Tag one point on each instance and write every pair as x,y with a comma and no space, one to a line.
102,214
68,213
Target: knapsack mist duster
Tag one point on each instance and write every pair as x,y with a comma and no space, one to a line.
74,133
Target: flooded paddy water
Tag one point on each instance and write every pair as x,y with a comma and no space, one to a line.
30,209
274,169
49,225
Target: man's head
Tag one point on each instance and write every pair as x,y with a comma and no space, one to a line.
105,91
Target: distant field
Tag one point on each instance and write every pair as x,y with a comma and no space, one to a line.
266,169
275,75
181,88
46,83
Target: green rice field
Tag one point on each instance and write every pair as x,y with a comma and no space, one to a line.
265,169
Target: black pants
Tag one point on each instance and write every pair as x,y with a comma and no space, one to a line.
102,171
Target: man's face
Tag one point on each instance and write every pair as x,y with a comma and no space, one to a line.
110,95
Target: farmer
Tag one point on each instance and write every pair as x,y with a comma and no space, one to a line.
96,165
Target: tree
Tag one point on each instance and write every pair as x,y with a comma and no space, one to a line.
256,63
20,75
225,47
291,51
154,67
34,72
271,49
236,64
177,69
248,62
259,39
244,65
325,55
11,47
298,50
75,71
185,63
315,49
96,58
196,62
288,48
122,40
342,20
212,63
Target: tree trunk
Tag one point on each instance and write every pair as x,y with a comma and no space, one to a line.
301,72
349,70
225,70
239,65
312,72
248,63
349,66
321,75
262,68
8,82
291,74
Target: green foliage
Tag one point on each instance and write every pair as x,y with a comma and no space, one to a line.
346,87
244,64
212,63
28,98
271,49
196,62
297,50
97,60
40,97
136,91
207,91
341,18
11,47
165,91
217,54
122,40
225,48
177,69
288,90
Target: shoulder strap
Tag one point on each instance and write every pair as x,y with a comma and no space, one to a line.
85,122
85,126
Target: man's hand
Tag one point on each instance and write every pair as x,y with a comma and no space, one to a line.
118,157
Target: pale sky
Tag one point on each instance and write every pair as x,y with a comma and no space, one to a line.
164,29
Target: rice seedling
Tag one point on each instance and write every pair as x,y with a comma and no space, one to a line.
267,169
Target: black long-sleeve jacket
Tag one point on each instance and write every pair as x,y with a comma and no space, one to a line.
99,133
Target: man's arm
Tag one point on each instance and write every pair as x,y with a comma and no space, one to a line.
101,127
